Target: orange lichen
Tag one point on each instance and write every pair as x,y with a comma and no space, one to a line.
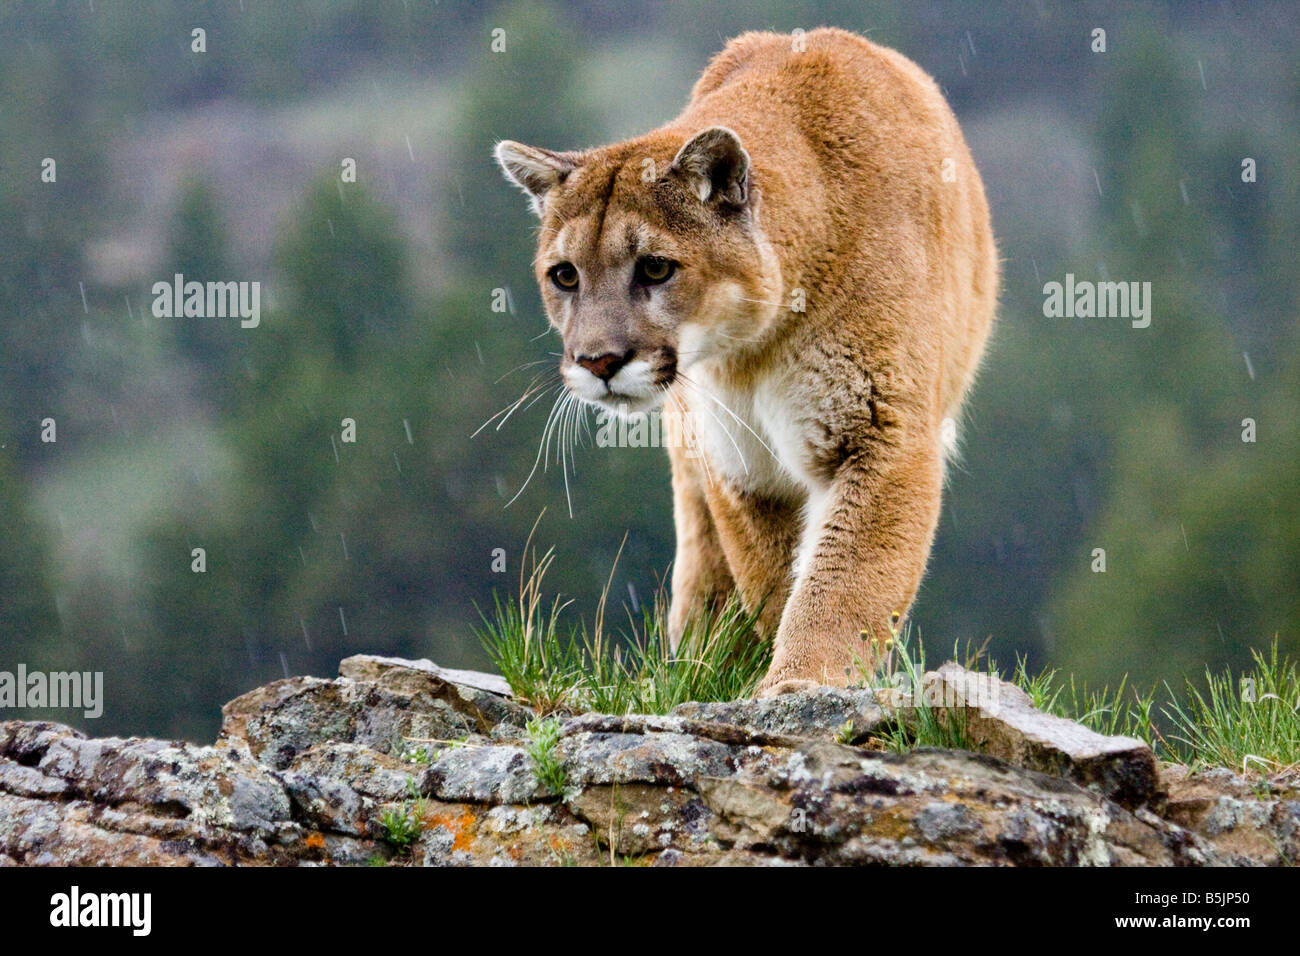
460,827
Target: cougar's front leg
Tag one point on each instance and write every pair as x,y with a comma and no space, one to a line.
702,579
758,536
863,556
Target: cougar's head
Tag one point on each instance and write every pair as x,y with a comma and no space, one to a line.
650,259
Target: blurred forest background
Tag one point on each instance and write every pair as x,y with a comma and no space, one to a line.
377,306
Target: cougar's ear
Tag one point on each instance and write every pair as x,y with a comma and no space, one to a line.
534,170
715,166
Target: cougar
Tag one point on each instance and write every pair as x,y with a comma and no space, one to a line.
802,263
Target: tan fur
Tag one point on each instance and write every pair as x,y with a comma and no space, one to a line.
824,502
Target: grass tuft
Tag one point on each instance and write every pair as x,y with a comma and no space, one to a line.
718,658
1251,724
635,670
900,672
403,824
523,638
543,737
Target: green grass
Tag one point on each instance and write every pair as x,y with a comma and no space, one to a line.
525,638
404,823
401,826
1249,723
718,658
634,671
1124,711
543,736
554,666
902,669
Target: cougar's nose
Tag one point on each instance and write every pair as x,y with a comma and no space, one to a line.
606,366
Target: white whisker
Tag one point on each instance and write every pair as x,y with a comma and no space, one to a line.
721,427
686,428
536,386
536,393
550,418
562,442
760,301
519,368
552,429
723,405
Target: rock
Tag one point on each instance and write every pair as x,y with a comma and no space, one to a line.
667,759
129,801
221,786
654,723
401,705
395,762
26,742
369,667
382,777
725,858
637,819
474,835
30,782
38,833
831,804
1249,820
484,774
476,695
829,712
326,804
1000,719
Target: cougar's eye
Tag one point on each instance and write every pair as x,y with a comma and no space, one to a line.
564,275
652,270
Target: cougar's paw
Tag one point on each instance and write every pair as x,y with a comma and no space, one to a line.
780,687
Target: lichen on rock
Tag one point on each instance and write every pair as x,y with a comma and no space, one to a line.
409,763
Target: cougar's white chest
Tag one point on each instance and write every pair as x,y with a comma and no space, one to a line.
752,437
